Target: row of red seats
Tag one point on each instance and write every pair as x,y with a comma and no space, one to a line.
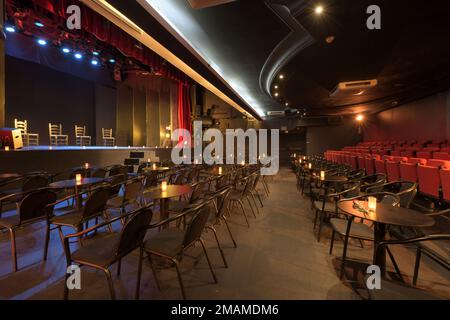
432,175
407,143
410,152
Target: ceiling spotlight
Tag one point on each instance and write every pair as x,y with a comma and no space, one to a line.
66,50
10,29
95,53
359,118
329,39
276,87
78,56
286,104
39,24
318,10
281,76
112,61
42,42
276,94
94,62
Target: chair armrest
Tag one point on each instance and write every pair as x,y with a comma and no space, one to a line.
438,213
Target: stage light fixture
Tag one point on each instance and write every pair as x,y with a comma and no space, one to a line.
42,42
39,24
359,118
78,56
95,53
112,61
319,9
66,50
94,62
10,29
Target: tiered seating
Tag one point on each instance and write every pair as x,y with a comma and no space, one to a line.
430,170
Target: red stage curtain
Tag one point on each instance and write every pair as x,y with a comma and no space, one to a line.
184,111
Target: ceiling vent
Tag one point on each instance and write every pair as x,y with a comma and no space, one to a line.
353,87
276,113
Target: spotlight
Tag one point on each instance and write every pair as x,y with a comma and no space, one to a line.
319,9
359,118
10,29
276,87
95,53
78,56
65,50
94,62
281,76
112,61
276,94
39,24
42,42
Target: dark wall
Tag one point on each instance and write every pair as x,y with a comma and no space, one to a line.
321,139
41,95
426,119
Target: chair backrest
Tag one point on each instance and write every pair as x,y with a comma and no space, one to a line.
96,203
80,131
392,170
118,169
21,125
379,166
445,181
423,154
55,129
429,180
133,190
441,156
34,205
223,198
438,163
197,224
404,190
198,191
106,133
82,171
369,165
134,231
116,183
35,182
417,161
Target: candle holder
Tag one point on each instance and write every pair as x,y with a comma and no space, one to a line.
372,204
86,165
322,175
154,166
78,178
164,186
6,148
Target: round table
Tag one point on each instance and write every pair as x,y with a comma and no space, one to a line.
77,186
159,169
173,191
385,214
7,176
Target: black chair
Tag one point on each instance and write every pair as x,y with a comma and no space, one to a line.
238,195
372,181
405,190
132,196
32,208
171,243
99,173
102,252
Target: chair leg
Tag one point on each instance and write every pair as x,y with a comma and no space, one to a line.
209,262
153,271
13,248
243,210
180,279
260,200
47,240
397,269
256,205
119,267
110,284
219,246
251,207
332,241
416,266
66,288
344,252
139,274
229,231
321,218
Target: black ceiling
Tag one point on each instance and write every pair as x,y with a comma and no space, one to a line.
409,56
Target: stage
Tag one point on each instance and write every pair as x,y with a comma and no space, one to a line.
58,159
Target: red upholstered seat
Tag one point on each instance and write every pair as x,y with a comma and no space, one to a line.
361,162
429,180
445,181
380,167
445,149
370,166
393,170
407,153
423,154
408,171
417,161
441,156
353,162
438,163
395,153
399,159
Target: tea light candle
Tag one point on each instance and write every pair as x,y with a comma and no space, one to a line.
164,186
148,160
243,163
322,175
78,178
154,166
6,148
295,155
86,165
309,165
220,170
372,204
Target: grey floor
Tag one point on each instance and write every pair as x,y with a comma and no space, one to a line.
277,258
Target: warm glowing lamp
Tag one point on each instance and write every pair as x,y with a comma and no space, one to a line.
86,165
78,178
322,175
372,203
154,166
319,9
359,118
243,163
295,155
167,135
148,160
6,148
310,165
220,170
164,186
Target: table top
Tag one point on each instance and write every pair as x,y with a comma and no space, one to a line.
72,183
388,214
335,179
156,169
172,191
4,176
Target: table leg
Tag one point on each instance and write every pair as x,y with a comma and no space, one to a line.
164,210
78,198
380,233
